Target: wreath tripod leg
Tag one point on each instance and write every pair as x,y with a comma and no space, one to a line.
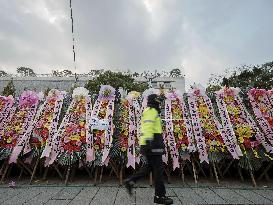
34,170
121,176
67,175
101,172
6,167
215,173
96,175
151,179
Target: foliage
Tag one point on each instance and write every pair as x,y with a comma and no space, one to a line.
116,80
47,91
175,73
95,73
246,77
63,73
3,73
24,71
9,89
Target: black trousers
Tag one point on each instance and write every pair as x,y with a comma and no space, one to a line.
155,165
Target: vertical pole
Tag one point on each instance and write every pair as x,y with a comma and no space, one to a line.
67,175
194,171
215,172
34,170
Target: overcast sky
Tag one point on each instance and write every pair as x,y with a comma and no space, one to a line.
202,36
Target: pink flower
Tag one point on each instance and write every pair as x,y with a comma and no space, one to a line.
78,143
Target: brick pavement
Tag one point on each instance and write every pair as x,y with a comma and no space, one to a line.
106,194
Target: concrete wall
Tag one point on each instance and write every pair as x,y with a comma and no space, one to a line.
65,83
41,83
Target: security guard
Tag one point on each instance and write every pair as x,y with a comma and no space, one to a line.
152,148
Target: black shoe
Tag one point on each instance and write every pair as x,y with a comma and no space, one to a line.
163,200
129,186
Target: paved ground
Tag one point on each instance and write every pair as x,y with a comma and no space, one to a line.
112,194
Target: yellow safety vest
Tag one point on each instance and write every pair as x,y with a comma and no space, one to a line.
150,125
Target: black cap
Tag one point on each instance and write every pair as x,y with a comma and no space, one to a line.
153,99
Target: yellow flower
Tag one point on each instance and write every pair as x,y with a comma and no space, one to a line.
82,133
268,156
229,99
17,128
49,118
241,139
208,127
180,137
9,140
134,94
47,125
20,113
177,128
212,149
203,110
123,149
81,123
123,100
96,146
102,140
75,137
233,110
244,131
255,153
183,147
126,132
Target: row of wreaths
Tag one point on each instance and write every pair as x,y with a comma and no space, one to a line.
95,131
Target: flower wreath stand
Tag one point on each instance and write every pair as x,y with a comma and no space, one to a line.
128,132
101,132
15,129
40,133
48,146
178,132
7,110
68,147
212,142
241,126
263,111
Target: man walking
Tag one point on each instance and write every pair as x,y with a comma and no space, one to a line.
152,148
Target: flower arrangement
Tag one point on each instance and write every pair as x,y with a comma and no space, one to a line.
128,130
101,139
243,130
212,134
263,110
40,132
45,127
177,128
74,137
249,137
124,125
181,128
207,129
14,131
70,141
4,101
6,109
